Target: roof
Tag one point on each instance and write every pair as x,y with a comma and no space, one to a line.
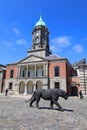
79,64
40,22
2,66
30,58
53,57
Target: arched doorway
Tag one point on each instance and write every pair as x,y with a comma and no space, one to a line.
21,87
39,85
30,87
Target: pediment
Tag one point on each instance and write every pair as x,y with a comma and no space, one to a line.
32,58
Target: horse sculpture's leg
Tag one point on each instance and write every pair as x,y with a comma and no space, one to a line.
58,105
51,104
37,102
32,101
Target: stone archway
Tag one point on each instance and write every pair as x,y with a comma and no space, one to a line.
39,85
30,87
21,87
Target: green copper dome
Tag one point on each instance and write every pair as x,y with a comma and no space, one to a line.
40,22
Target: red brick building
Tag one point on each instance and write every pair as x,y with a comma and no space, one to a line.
41,69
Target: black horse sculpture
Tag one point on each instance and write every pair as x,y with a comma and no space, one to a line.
49,94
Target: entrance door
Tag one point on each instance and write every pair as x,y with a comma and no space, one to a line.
30,87
74,91
21,88
39,85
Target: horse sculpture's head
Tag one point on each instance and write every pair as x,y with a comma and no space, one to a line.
64,94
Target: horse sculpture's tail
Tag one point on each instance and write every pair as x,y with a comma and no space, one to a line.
30,98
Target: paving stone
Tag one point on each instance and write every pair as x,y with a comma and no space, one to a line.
15,114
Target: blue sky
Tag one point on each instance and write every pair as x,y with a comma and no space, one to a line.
65,19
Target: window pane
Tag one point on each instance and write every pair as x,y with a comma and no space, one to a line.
31,73
11,73
28,73
39,73
56,71
57,85
23,73
10,85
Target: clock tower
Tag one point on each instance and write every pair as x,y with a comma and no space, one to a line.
40,39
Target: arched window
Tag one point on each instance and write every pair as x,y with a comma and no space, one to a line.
11,73
56,71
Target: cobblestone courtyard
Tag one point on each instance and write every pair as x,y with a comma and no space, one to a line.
15,114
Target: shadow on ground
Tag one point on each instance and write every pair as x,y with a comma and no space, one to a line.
69,110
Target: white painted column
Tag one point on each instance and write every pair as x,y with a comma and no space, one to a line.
18,72
34,87
35,70
25,92
44,69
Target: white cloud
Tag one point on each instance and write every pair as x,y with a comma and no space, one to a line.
16,31
60,42
78,48
52,48
6,43
21,42
63,41
55,48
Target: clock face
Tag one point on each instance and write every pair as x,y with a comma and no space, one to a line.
37,34
37,40
37,37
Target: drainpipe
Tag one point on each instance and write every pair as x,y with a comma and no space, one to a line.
48,77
